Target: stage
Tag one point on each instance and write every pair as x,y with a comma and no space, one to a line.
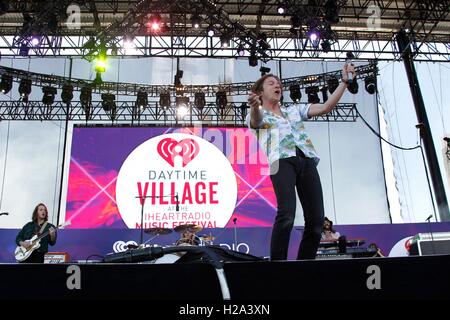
402,278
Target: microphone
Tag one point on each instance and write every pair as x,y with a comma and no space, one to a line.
234,220
349,60
177,206
4,213
429,217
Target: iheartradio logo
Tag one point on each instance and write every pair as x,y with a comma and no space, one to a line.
169,148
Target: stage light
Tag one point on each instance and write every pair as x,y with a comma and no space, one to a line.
312,93
252,59
240,50
67,93
281,8
221,99
86,98
182,111
4,7
370,84
181,101
49,95
177,79
313,36
326,46
210,31
294,93
264,71
225,40
142,99
25,88
195,21
155,23
100,62
164,99
332,84
35,41
23,50
199,100
108,102
6,83
353,86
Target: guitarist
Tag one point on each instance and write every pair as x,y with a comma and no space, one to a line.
38,226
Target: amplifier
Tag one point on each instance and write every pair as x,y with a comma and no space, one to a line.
56,257
430,243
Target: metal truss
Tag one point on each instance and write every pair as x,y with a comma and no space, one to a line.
126,112
107,23
154,91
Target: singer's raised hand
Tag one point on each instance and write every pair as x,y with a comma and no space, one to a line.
348,68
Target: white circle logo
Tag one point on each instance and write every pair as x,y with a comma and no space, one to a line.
176,179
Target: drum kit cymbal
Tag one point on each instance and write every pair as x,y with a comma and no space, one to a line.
183,230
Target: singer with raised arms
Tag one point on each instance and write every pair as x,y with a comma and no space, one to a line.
293,160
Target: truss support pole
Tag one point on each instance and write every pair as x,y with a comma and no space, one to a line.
404,46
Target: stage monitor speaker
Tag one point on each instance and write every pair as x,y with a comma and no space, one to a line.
430,243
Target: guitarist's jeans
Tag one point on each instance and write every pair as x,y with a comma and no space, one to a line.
35,257
298,173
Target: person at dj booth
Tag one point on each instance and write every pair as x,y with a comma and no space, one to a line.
328,232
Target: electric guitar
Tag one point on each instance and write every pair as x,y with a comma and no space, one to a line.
21,253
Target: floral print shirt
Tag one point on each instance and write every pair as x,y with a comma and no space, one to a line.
279,136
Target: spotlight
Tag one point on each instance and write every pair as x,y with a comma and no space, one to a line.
210,31
100,63
370,85
240,50
67,93
178,76
313,97
86,99
108,102
199,100
221,99
264,70
142,99
23,50
6,83
326,46
4,6
98,79
225,40
294,93
155,23
253,59
49,95
25,88
181,101
164,99
353,86
281,8
195,21
332,84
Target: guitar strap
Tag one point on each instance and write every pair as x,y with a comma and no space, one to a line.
43,227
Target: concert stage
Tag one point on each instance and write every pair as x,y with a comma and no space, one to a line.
402,278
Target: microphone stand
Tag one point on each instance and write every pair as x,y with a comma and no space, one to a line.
431,233
235,235
141,241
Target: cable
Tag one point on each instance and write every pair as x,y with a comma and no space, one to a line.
379,136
